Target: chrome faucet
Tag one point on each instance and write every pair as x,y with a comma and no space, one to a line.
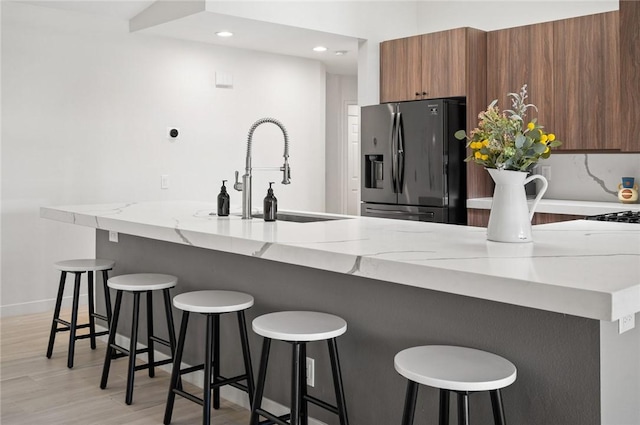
245,186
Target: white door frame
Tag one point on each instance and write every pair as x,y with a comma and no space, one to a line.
349,162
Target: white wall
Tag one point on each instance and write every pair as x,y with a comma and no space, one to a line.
369,21
85,108
340,90
494,15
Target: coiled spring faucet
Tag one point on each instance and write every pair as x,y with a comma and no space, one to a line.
245,186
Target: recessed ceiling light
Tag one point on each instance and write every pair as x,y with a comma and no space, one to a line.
340,52
224,34
319,49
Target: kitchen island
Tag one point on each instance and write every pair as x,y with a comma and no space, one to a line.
551,307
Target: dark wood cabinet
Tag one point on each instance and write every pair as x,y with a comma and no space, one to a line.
430,66
395,72
571,67
629,120
523,55
586,72
480,218
444,64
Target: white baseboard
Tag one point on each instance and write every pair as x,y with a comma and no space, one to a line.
229,393
40,306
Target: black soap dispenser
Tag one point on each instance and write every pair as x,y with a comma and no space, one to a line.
223,201
270,205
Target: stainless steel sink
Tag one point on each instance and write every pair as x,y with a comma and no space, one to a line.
302,218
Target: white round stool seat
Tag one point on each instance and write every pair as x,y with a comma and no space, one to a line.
455,368
142,282
88,265
299,326
213,301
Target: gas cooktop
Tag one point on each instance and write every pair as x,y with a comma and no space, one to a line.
620,217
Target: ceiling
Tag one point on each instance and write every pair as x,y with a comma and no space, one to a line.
121,9
248,33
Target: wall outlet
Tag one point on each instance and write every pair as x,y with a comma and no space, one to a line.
545,170
626,323
173,133
164,181
311,372
113,236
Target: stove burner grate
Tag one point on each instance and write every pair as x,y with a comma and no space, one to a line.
619,217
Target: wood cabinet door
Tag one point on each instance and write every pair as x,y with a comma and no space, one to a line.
630,75
523,55
395,84
586,82
443,63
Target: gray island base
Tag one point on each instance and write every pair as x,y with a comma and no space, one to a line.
557,355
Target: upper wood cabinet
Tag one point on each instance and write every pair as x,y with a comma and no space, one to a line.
427,66
571,67
518,56
586,72
444,63
395,70
630,75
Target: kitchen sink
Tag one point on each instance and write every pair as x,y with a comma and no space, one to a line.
302,218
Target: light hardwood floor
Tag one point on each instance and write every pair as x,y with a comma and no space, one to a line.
37,390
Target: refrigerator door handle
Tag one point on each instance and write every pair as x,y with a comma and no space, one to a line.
394,151
400,159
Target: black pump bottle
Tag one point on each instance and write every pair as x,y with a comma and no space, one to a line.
223,201
270,205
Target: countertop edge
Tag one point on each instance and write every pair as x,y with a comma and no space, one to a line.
559,206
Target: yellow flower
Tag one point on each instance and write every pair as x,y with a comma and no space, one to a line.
485,142
478,155
544,138
552,137
546,150
531,126
485,157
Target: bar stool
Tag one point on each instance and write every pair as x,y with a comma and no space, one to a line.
454,369
212,304
137,284
78,267
298,328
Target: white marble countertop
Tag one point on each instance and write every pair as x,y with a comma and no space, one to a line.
584,268
559,206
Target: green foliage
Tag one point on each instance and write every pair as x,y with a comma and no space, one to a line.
503,140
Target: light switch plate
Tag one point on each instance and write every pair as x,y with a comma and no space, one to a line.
113,236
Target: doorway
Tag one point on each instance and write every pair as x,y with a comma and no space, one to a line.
351,148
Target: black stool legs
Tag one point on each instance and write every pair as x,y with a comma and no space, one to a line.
72,325
115,351
213,380
299,397
410,403
463,406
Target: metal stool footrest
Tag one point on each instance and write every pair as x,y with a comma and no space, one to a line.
273,419
321,403
160,341
101,317
85,336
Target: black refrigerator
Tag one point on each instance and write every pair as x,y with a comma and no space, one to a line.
412,165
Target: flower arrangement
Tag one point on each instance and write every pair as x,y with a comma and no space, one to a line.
504,141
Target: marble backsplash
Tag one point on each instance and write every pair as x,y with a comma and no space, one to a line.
589,177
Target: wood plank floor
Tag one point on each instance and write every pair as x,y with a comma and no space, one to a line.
37,390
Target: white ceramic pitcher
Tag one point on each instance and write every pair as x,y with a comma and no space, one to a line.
510,219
